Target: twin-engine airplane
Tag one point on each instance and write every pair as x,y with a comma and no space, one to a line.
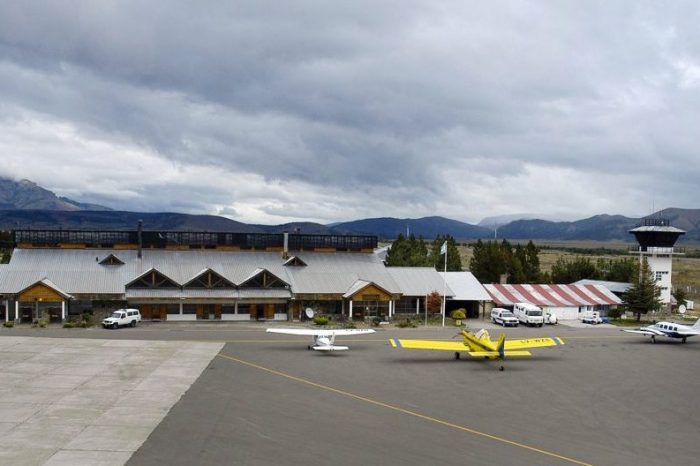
668,329
323,339
480,345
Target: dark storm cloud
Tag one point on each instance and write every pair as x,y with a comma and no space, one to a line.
409,106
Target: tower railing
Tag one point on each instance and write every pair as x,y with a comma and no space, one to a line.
655,250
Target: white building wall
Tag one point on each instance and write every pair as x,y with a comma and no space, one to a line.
563,313
661,268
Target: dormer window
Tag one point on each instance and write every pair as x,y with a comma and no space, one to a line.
262,278
208,279
295,261
111,260
153,279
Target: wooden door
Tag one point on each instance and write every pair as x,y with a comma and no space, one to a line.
269,311
217,311
200,311
146,312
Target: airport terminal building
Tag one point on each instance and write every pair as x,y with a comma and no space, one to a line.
185,276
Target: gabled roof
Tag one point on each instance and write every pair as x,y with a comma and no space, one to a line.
152,270
49,284
226,281
418,281
294,261
259,272
552,295
360,285
111,260
466,287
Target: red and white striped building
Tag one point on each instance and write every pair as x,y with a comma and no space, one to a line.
568,302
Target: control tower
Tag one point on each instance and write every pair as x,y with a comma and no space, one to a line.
656,238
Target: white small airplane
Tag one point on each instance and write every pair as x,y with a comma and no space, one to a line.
323,339
668,329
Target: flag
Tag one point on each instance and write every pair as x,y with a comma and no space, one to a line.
443,248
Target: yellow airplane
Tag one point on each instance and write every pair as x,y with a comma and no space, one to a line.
480,345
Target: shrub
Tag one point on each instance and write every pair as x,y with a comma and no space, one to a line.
349,324
44,321
321,320
68,324
458,314
9,324
408,323
614,313
376,320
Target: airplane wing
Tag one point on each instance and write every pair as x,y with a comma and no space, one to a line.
644,331
439,345
532,343
320,332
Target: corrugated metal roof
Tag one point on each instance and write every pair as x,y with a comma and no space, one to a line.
552,295
466,287
78,271
419,281
615,287
209,293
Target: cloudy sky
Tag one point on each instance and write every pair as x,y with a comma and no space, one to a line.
269,112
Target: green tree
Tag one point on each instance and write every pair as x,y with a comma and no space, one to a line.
531,263
644,295
570,271
6,245
487,262
621,270
398,252
680,295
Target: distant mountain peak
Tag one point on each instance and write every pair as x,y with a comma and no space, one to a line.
27,195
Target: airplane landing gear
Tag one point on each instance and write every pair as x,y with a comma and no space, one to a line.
653,339
456,355
683,340
501,368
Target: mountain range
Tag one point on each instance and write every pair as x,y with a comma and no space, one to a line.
26,205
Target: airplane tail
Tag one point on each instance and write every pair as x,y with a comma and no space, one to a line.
696,326
500,346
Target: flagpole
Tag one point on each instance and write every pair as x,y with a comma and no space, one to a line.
444,287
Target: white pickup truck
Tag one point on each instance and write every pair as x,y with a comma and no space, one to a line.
121,318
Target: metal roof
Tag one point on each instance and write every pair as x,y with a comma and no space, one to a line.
552,295
419,281
466,287
209,293
78,271
615,287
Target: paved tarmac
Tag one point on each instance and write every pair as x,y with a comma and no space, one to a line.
605,398
67,401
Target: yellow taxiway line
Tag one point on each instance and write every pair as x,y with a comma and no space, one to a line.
405,411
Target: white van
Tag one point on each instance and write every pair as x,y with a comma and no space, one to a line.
503,317
528,314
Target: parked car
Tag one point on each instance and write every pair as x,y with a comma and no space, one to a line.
528,314
503,317
121,318
591,317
